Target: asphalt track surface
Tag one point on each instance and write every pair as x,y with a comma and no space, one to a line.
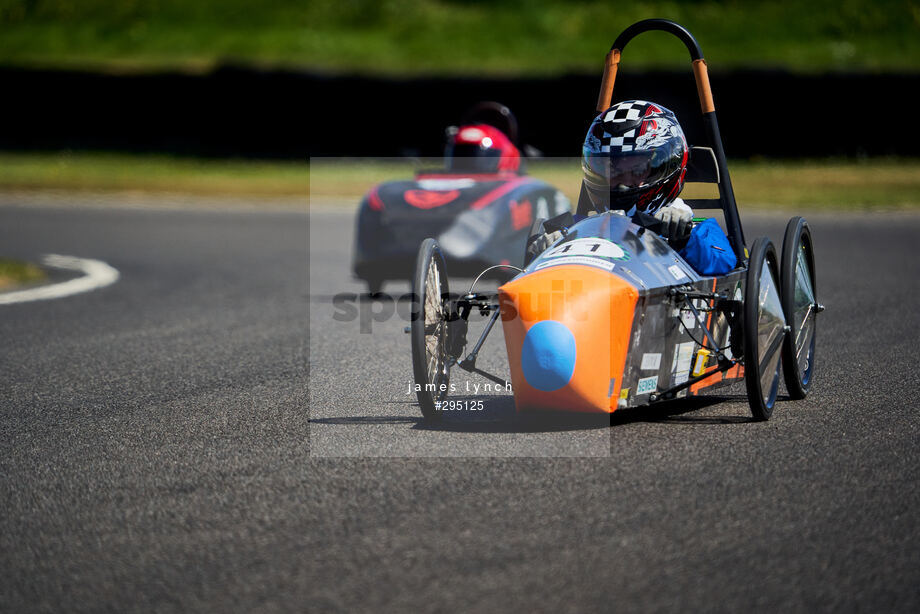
164,446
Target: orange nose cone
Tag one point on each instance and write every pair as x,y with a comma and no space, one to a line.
567,331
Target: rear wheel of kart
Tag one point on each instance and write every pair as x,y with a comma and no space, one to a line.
429,329
764,329
801,307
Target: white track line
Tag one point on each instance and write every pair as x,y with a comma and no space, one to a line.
97,275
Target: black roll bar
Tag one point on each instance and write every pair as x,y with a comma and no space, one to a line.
710,123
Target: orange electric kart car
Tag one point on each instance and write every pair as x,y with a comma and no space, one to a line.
610,316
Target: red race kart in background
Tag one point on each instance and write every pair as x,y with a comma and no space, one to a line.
479,219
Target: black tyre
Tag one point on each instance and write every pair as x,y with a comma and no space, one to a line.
800,304
429,329
764,329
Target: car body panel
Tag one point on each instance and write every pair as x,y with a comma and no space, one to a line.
478,220
609,282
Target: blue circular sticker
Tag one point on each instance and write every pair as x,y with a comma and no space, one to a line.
548,355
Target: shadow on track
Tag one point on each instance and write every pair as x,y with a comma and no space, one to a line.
676,412
359,420
499,416
404,296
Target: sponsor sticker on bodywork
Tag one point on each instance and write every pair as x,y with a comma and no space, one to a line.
676,272
590,251
594,247
597,262
680,366
689,320
651,362
647,384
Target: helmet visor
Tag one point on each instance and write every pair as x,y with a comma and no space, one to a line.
624,172
472,157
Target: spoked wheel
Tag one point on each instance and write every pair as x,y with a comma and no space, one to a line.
764,329
429,330
801,307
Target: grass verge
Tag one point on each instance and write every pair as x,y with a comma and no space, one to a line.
15,273
151,173
873,184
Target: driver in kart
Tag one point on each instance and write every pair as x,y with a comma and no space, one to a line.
484,142
480,148
634,160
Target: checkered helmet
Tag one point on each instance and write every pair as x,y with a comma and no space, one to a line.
634,157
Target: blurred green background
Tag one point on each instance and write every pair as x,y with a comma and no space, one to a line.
506,37
408,38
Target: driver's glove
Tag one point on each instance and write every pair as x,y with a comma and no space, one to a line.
676,218
538,243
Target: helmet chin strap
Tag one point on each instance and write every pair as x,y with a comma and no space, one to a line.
588,193
619,200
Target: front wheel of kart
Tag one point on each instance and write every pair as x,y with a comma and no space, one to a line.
764,329
429,329
800,306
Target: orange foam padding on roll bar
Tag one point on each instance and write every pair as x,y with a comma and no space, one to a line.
593,309
701,73
610,76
